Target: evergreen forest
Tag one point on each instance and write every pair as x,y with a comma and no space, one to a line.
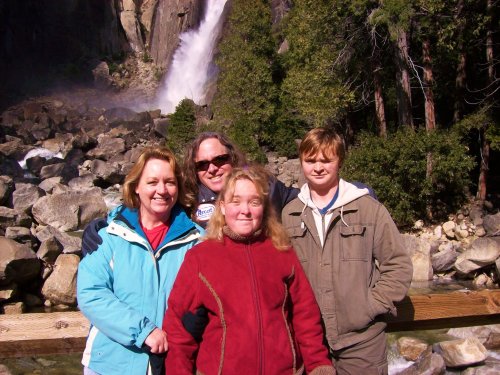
412,85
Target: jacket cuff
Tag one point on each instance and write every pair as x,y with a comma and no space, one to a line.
324,370
144,334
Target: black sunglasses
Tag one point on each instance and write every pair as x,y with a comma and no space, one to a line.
218,161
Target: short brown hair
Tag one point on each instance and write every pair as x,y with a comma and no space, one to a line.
130,197
324,140
271,226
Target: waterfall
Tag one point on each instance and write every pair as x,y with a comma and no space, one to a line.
192,62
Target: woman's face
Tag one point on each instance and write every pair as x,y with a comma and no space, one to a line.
213,164
157,191
244,209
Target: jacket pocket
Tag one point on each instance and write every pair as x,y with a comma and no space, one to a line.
295,232
354,243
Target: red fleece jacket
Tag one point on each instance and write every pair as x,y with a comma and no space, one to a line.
263,317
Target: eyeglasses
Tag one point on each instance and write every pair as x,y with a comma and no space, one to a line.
218,161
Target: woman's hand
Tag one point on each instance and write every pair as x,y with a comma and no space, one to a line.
157,341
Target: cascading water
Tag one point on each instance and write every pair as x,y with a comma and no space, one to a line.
191,64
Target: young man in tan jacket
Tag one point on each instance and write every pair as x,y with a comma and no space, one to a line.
352,253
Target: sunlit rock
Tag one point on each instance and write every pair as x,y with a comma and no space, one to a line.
412,348
463,352
484,251
25,196
60,287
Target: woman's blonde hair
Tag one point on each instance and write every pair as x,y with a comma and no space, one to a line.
270,226
130,197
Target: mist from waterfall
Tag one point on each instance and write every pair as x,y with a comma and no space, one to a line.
191,65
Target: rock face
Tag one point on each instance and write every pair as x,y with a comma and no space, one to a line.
172,17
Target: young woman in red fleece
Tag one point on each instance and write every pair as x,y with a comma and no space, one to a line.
262,314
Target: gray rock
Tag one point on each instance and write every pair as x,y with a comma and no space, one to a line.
444,260
414,244
83,182
49,250
70,244
107,147
6,188
109,172
483,252
491,224
52,170
20,234
48,184
422,267
60,287
18,263
462,352
160,126
71,210
25,196
432,364
491,367
10,217
449,229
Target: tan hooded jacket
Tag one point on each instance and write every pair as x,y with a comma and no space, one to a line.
354,259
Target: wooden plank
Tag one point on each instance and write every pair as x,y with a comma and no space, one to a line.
44,333
448,305
66,332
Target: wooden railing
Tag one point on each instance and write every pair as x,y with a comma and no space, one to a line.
65,332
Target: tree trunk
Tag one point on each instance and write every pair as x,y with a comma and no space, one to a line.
458,108
430,115
485,143
403,80
379,99
460,21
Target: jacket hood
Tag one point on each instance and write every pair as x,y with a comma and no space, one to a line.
347,193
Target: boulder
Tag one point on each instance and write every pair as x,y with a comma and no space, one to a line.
25,196
412,348
431,364
49,250
463,352
18,263
60,287
444,260
483,252
71,210
6,189
422,267
20,234
70,244
10,217
491,224
107,147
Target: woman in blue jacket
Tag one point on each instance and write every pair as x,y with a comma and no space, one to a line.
123,287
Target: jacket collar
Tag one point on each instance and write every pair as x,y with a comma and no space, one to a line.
180,223
347,193
205,194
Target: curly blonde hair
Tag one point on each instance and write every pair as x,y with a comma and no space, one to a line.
271,227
